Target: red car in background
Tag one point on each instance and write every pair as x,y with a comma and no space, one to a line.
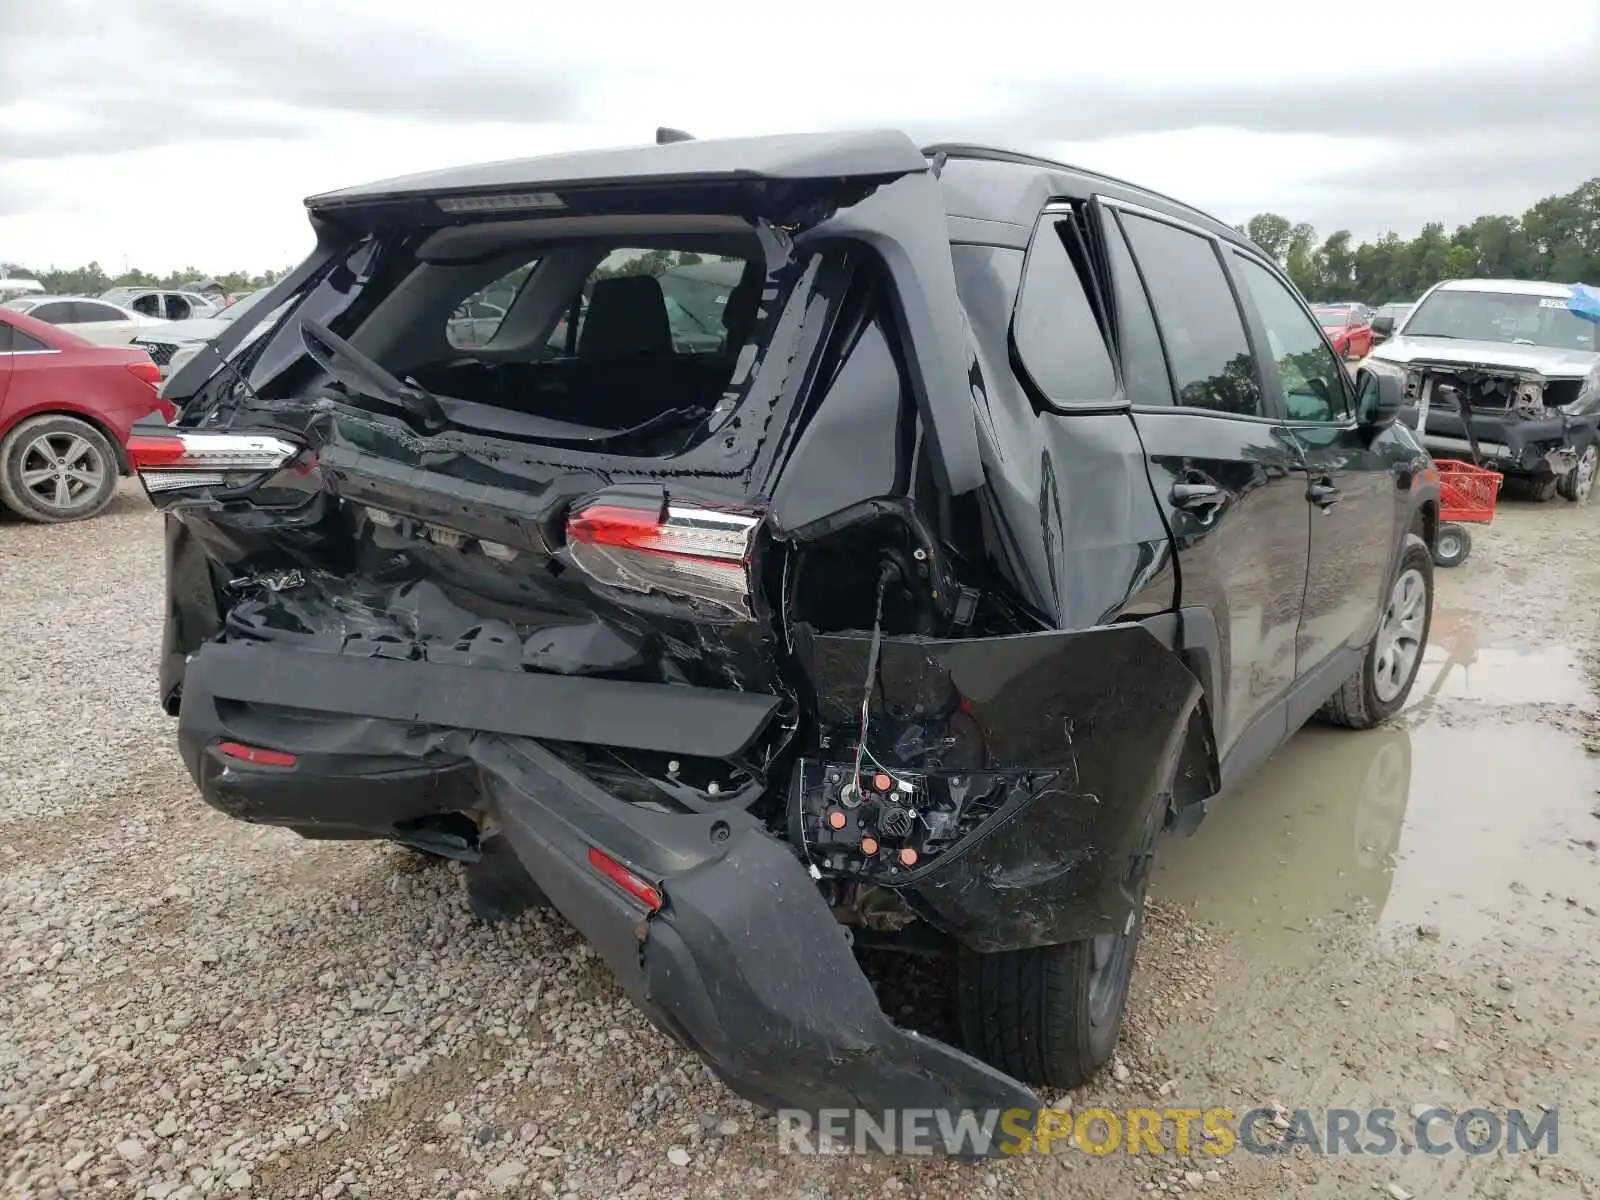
1348,327
66,409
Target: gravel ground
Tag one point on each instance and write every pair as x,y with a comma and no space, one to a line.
196,1007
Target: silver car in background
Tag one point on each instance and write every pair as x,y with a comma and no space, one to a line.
1502,373
178,341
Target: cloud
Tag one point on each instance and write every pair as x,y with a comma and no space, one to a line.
1443,142
162,72
1423,102
16,198
180,130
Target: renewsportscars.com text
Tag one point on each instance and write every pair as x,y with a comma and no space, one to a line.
1158,1131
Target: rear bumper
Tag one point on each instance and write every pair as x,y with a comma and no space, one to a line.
744,963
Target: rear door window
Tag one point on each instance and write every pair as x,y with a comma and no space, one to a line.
147,305
1144,363
178,308
1313,384
91,312
1212,366
57,312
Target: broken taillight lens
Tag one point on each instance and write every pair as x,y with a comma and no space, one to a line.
697,553
173,461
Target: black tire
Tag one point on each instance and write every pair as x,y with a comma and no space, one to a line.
1359,704
1577,483
1050,1015
87,482
1537,488
1451,545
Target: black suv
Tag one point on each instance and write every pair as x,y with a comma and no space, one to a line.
1010,513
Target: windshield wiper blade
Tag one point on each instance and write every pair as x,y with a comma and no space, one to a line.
365,377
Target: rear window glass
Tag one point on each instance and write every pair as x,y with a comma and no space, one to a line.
25,343
664,335
1055,331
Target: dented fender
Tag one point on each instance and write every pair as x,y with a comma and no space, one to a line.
1093,723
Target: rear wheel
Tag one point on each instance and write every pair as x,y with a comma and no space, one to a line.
1577,483
1390,661
1451,546
1050,1015
55,469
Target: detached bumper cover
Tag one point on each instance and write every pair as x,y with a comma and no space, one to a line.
1512,442
744,963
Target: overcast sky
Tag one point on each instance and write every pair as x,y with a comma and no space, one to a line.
166,133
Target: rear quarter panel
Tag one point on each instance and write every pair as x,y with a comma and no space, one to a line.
103,393
1071,497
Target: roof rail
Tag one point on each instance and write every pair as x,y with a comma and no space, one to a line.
998,154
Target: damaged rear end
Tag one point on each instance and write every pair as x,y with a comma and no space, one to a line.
681,606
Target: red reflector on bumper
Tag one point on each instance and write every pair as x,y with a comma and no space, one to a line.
625,879
256,755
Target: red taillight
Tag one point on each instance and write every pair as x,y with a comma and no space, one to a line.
635,885
146,371
256,755
146,451
698,553
175,460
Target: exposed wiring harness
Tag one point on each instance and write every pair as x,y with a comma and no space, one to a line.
889,573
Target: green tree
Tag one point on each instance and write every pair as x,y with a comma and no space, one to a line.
1336,266
1299,260
1460,262
1557,238
1271,232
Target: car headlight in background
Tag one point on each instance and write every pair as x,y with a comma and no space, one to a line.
1588,398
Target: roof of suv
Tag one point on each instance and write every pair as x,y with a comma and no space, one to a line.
980,182
784,156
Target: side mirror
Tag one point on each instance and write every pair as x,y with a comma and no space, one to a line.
1379,398
1383,326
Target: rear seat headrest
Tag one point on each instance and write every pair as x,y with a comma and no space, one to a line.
626,315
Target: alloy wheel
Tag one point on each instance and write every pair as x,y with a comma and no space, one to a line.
63,472
1399,641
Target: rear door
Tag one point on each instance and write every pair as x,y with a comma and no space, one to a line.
1222,462
102,323
1350,492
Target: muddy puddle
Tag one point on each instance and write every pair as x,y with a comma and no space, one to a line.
1461,664
1459,829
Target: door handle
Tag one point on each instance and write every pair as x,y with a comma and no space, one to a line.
1197,497
1323,494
